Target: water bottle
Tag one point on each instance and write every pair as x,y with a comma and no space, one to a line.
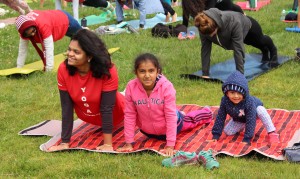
253,3
283,14
83,22
132,29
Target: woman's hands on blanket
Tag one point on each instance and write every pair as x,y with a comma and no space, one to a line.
61,146
126,148
105,147
169,151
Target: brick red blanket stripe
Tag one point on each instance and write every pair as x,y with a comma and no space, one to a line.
88,137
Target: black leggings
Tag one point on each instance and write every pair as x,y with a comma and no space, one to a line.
257,39
224,5
167,8
95,3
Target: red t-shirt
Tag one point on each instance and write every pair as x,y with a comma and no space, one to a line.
85,92
50,22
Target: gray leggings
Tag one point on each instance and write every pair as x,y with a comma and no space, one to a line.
234,127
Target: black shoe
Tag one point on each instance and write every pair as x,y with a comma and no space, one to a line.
273,62
265,56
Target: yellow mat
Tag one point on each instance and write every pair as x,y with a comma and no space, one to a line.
38,65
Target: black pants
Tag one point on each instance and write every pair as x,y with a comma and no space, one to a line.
257,39
224,5
167,8
95,3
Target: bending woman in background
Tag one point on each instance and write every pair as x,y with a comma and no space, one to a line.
88,83
44,27
231,30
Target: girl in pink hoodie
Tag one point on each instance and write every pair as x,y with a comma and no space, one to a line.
150,104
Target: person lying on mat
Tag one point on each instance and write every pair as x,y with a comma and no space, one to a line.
193,7
140,4
88,83
243,109
44,27
231,30
150,104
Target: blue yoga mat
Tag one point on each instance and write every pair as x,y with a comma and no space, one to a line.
293,29
158,18
253,68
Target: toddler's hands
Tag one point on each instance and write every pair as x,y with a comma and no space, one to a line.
125,148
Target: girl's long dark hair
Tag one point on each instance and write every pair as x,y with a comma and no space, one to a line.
93,46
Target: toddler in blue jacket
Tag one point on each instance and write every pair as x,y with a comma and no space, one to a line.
243,109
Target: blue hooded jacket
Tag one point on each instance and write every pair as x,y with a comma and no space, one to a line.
244,112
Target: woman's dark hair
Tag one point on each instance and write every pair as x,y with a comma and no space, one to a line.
147,57
192,7
93,46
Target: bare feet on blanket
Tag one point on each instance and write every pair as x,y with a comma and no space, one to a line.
125,148
105,147
61,146
206,77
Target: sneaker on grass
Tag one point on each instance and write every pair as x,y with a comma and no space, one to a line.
207,159
181,158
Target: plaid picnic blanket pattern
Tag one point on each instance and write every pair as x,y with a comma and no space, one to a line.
87,137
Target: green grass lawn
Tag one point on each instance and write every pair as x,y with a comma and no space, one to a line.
28,100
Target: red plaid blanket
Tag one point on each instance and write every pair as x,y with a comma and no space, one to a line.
88,137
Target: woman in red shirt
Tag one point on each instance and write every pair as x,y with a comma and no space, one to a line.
88,84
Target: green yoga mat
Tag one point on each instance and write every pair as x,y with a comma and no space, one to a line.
94,19
38,65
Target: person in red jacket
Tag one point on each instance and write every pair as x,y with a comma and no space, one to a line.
88,83
44,27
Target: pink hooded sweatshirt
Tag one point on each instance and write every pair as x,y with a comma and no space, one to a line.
155,114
